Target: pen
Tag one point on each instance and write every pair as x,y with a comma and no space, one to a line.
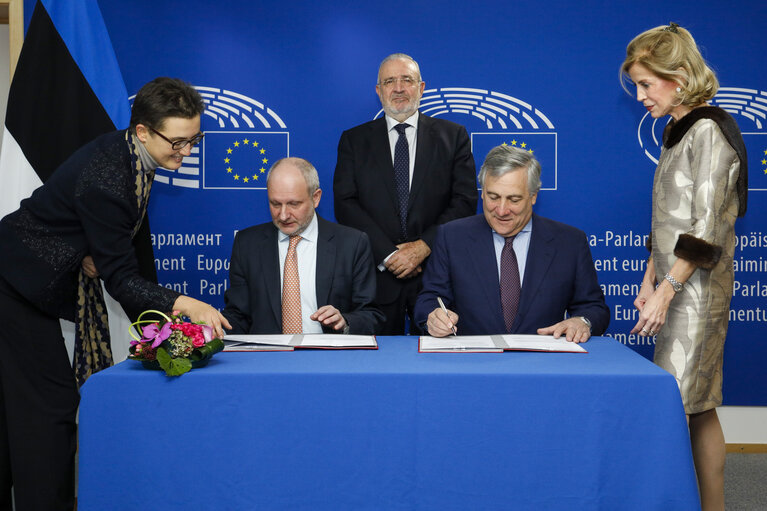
444,309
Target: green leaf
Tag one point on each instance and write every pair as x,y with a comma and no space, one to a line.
208,350
173,366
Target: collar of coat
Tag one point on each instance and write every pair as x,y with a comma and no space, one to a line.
674,132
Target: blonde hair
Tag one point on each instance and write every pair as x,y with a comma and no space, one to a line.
670,53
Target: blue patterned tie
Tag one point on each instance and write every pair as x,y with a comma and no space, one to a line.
510,285
402,176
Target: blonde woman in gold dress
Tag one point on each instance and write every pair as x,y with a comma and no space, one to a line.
699,190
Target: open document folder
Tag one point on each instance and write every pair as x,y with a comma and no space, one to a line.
289,342
496,344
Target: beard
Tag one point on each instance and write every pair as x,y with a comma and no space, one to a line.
406,109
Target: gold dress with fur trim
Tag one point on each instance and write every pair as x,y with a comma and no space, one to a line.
695,198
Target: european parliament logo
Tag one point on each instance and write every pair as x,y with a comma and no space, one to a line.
493,118
243,137
541,145
240,159
747,106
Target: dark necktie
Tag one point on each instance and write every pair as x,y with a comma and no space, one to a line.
402,176
510,285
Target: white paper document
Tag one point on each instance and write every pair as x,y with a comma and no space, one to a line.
498,343
475,343
274,340
542,343
262,343
338,341
246,346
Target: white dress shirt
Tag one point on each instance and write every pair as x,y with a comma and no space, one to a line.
411,133
521,246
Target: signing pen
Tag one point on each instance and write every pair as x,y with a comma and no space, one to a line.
444,309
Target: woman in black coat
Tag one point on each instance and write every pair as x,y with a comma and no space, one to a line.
76,228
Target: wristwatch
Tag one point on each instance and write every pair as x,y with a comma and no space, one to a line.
585,320
678,286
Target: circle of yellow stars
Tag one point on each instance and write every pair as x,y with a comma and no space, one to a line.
521,145
764,162
237,144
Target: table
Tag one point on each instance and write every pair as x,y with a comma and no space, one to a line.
390,429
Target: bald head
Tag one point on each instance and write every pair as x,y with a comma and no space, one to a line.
306,169
293,187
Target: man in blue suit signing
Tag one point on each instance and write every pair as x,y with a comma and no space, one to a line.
509,270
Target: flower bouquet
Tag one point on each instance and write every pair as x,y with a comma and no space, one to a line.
174,345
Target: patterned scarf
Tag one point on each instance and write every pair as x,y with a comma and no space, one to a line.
93,350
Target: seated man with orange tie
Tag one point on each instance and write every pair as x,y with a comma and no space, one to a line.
508,270
300,273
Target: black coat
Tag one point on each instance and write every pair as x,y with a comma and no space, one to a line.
443,188
87,207
344,279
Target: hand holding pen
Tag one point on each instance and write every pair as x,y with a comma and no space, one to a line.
441,321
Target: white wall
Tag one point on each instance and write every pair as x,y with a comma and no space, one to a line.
744,424
4,75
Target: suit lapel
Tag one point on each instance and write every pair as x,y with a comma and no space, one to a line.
423,153
485,267
539,257
271,271
326,261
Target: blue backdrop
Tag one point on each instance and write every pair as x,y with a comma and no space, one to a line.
288,77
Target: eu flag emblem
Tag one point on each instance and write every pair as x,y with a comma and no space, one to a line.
542,145
241,159
756,147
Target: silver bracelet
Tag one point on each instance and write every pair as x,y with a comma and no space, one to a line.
678,286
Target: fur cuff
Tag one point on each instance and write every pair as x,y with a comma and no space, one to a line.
699,252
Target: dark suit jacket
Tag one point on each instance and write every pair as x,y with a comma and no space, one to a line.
87,207
443,188
344,279
559,277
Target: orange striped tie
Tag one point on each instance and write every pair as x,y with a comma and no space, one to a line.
291,291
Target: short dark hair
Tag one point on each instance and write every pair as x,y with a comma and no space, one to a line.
165,97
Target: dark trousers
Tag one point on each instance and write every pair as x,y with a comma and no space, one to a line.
399,313
38,407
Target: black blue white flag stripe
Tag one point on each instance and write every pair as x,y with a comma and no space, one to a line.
67,89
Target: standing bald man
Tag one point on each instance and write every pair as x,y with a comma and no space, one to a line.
396,179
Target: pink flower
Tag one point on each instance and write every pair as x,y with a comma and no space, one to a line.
155,334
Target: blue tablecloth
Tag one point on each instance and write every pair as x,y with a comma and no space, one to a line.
388,429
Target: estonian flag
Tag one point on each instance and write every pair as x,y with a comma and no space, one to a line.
66,91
